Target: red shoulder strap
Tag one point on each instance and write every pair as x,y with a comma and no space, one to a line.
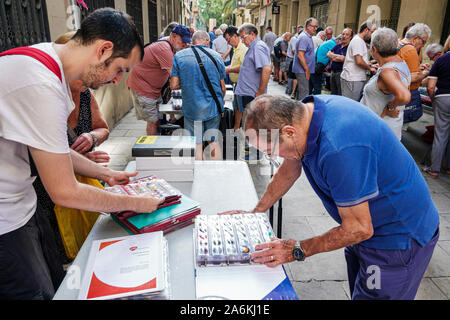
37,54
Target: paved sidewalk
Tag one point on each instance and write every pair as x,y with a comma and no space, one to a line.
323,276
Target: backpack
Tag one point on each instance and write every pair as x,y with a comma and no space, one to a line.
277,49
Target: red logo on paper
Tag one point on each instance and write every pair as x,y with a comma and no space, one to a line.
133,248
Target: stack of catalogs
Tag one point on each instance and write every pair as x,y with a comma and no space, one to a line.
175,212
168,157
165,219
229,239
131,268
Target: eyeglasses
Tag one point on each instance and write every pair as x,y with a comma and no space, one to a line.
423,41
272,161
243,37
315,27
270,158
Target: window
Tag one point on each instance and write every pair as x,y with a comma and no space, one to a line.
319,10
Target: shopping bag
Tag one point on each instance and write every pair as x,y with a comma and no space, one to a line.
74,224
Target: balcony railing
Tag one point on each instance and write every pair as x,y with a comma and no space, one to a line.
251,4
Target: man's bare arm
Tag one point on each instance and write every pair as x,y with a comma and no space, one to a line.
57,175
265,76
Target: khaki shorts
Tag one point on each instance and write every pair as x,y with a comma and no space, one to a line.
146,108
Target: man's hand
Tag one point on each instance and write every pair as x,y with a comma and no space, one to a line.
307,74
119,177
259,93
83,143
150,205
98,156
274,253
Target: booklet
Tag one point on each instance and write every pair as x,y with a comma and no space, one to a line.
132,267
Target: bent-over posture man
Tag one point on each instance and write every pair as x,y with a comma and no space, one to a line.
368,183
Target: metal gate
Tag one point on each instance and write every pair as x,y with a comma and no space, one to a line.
96,4
320,12
23,23
153,20
134,9
446,27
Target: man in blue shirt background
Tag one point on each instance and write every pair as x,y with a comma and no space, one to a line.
367,181
200,111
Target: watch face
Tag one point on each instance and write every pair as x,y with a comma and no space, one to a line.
298,254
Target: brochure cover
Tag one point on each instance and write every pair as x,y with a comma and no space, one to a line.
125,266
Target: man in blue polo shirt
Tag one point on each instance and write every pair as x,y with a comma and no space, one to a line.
367,181
200,110
304,62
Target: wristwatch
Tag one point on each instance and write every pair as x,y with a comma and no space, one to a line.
94,138
390,108
297,252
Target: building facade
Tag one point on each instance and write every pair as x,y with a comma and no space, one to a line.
25,22
285,15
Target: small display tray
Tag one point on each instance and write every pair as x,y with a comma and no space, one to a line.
229,239
159,188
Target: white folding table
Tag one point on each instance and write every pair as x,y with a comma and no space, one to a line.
218,185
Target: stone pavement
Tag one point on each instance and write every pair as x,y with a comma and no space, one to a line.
323,276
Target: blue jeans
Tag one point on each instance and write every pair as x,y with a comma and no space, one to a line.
316,83
400,271
203,130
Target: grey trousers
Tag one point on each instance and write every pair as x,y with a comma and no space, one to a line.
441,107
335,83
302,86
352,89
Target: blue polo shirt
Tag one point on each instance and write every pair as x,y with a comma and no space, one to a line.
198,103
257,57
351,157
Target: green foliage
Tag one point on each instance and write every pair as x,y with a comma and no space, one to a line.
221,10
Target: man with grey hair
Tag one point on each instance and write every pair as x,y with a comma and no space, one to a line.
200,107
255,69
415,39
368,183
280,49
356,63
434,51
329,33
318,39
221,46
304,59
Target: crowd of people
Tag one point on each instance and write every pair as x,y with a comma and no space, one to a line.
376,66
367,182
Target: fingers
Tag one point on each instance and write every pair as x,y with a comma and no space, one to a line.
98,156
83,143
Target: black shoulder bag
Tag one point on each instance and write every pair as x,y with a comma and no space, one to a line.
205,76
227,115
